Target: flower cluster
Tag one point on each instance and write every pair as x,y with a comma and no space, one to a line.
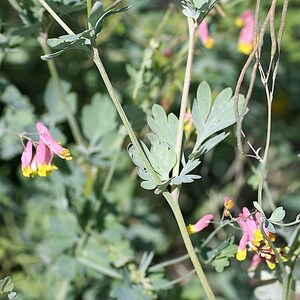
245,41
253,240
37,157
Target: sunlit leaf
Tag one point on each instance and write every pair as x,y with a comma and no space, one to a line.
148,182
81,41
6,285
165,127
184,176
277,215
258,207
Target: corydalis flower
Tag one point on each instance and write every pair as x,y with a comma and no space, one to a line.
253,240
204,36
200,225
49,141
37,160
28,168
37,157
245,42
252,235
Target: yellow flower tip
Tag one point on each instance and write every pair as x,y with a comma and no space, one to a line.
229,204
258,237
66,154
209,43
241,255
239,22
191,229
245,48
271,265
45,170
272,236
28,172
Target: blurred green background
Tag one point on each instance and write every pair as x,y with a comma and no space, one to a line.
80,234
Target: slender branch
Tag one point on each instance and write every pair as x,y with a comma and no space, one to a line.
192,26
189,246
114,97
56,17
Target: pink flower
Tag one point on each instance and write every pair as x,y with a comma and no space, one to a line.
200,225
37,163
37,157
204,36
252,235
245,42
26,160
49,141
43,159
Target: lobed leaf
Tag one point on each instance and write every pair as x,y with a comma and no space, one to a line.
210,117
6,285
184,177
164,127
80,41
258,207
148,183
277,215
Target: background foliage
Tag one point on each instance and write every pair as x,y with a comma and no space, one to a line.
89,231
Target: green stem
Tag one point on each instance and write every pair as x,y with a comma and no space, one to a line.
61,94
189,246
185,94
88,11
114,97
56,17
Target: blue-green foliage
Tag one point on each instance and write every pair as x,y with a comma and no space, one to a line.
88,231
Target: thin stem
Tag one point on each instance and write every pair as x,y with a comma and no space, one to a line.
61,94
209,238
56,17
185,93
88,10
169,262
114,97
189,246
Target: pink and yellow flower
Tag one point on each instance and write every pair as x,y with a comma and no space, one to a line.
49,141
43,159
253,240
252,235
201,224
28,167
37,156
204,36
245,42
